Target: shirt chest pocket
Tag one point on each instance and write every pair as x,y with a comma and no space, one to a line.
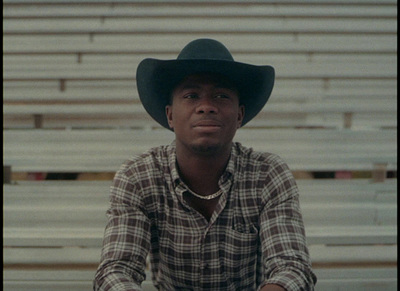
244,228
239,246
239,243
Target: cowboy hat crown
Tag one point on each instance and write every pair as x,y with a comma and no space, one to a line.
206,49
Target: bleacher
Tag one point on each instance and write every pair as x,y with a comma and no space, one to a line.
70,105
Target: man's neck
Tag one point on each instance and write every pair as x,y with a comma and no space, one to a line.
202,172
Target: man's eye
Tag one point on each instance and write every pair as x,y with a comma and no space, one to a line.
222,96
190,96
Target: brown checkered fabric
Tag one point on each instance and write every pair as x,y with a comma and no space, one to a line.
255,236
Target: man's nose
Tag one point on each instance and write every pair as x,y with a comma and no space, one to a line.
206,105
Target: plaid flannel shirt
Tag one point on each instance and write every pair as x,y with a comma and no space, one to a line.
255,236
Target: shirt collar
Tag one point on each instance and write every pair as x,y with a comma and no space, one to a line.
172,164
228,174
231,167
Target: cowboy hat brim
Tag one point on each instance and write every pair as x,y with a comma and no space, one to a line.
157,78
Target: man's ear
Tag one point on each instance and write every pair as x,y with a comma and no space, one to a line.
240,115
168,113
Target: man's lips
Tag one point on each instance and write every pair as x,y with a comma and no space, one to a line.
207,123
207,126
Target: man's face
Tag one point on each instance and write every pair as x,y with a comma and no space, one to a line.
205,113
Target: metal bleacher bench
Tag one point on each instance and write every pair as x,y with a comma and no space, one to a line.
74,66
70,104
104,150
349,224
53,230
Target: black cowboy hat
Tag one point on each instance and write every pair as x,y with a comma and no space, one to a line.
157,78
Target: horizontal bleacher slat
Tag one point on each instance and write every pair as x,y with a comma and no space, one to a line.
355,279
87,120
198,25
294,103
127,71
55,280
88,256
231,8
84,237
315,214
79,246
115,90
328,106
162,46
31,209
105,150
323,190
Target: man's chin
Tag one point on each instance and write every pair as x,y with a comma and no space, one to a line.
207,149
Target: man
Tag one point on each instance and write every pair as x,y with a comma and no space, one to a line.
212,214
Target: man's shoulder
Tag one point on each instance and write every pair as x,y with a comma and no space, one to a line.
252,156
156,158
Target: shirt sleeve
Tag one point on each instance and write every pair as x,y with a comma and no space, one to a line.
126,239
286,258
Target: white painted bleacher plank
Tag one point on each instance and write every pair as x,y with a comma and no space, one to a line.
284,90
337,213
323,190
96,60
100,109
127,63
128,71
93,212
56,280
105,150
54,256
59,216
357,284
53,214
213,10
311,190
378,254
363,121
74,236
355,254
49,275
25,66
347,191
64,191
329,279
106,71
348,273
351,235
337,105
161,45
94,122
52,285
360,121
93,237
48,286
200,24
